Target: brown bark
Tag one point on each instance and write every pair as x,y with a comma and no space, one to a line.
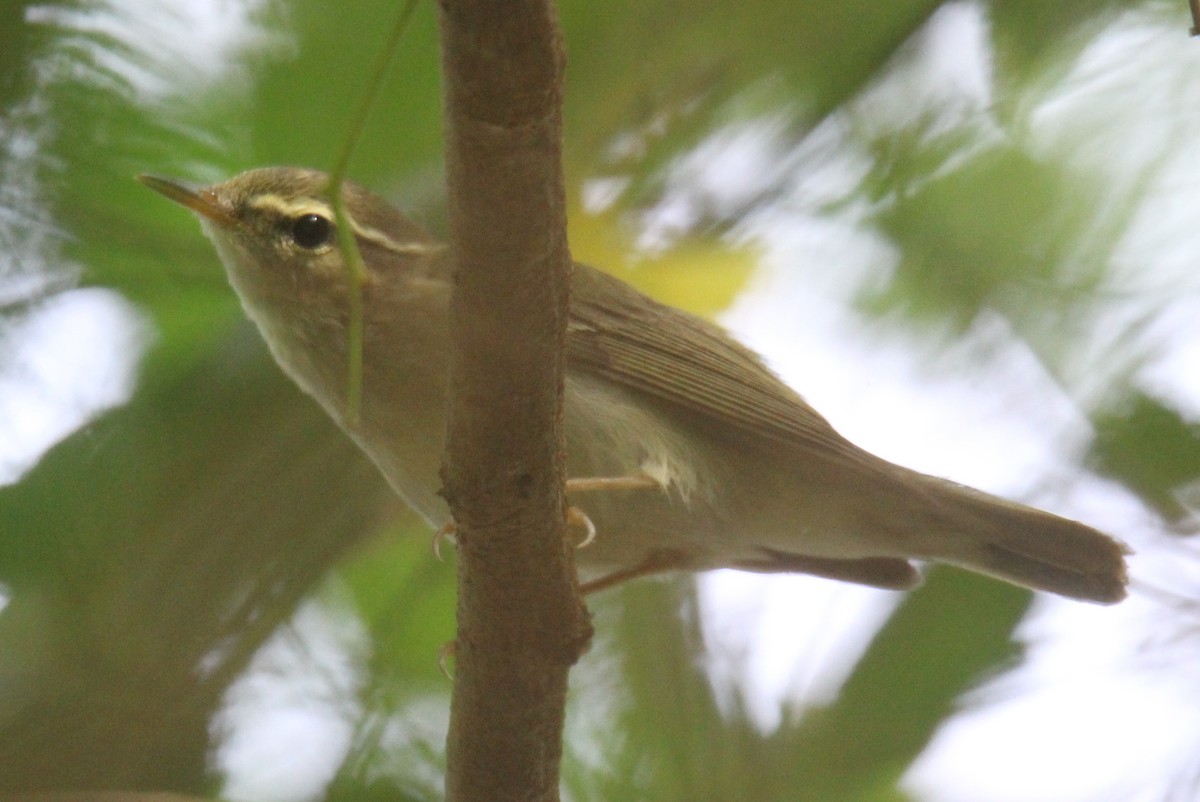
521,623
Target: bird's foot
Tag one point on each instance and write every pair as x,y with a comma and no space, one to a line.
575,516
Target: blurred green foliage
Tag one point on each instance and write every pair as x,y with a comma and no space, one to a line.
148,557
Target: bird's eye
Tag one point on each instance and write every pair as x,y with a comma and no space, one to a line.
311,231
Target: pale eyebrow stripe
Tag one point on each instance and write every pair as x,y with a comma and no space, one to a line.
298,208
288,208
384,241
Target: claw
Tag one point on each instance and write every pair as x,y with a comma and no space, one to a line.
446,533
577,517
444,654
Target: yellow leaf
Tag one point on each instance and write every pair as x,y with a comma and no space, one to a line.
700,274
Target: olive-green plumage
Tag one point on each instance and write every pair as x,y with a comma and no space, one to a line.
750,476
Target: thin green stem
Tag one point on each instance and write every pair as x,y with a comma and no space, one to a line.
356,274
356,271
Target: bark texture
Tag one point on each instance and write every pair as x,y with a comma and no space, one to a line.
521,622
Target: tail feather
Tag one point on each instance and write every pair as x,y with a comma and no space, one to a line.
1036,549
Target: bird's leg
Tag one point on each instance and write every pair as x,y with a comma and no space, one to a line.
591,483
657,563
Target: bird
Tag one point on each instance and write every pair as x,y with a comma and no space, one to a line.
714,461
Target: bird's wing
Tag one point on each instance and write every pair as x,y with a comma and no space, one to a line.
620,335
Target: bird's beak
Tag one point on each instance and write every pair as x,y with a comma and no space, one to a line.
200,200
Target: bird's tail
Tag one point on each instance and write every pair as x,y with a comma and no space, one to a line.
1026,546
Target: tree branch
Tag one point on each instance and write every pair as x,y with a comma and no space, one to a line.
521,623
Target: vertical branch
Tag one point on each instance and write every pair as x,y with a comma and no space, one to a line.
521,623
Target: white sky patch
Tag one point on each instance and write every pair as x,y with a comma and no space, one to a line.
62,363
165,49
1097,711
942,80
726,170
1127,113
786,638
1174,374
288,722
1090,738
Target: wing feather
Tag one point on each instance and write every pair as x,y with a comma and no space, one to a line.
618,334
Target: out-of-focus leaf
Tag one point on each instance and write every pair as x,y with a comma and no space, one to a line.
406,597
14,36
1150,449
681,744
198,516
303,101
945,637
1032,38
672,737
970,235
664,73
